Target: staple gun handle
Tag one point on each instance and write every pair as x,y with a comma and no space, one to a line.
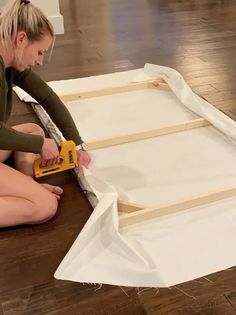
68,160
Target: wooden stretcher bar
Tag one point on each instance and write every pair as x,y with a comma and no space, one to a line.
153,84
125,206
102,143
137,213
158,211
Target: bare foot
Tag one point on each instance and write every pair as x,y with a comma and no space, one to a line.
54,189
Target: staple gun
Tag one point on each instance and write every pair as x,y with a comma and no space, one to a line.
68,160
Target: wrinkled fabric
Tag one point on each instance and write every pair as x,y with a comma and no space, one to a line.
167,250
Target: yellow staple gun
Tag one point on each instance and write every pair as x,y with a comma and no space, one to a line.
68,160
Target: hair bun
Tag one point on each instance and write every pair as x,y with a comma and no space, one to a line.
25,2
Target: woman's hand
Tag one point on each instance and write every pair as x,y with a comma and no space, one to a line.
49,153
83,159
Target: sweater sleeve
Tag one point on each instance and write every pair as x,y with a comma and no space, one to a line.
10,139
18,141
30,82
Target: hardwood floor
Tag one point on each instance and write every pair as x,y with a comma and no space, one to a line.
197,38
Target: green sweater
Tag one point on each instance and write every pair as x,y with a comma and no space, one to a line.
44,95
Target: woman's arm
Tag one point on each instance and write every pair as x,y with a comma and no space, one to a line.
19,141
45,96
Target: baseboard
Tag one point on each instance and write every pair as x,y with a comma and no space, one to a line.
57,22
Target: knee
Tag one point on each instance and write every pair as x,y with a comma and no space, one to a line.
44,211
36,130
30,128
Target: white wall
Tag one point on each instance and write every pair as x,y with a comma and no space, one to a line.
52,10
2,2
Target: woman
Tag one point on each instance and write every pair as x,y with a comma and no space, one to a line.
25,35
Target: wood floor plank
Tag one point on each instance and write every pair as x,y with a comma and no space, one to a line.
198,39
64,297
28,250
231,297
168,303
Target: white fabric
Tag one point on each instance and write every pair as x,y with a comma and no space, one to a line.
168,168
159,253
109,116
176,82
171,249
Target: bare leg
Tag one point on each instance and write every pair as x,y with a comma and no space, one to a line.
24,160
53,189
22,200
4,155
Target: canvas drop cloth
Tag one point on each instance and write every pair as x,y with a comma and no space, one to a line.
167,250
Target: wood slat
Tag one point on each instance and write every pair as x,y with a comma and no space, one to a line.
125,206
160,85
162,210
102,143
197,38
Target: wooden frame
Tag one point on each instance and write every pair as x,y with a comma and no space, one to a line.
138,215
135,213
153,84
196,123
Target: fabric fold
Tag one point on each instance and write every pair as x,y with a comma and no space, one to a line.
171,249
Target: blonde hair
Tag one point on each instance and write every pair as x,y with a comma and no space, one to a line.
22,15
